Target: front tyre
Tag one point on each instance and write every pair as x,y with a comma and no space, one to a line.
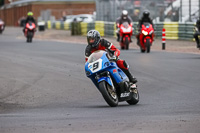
148,45
127,43
29,36
135,97
109,94
142,50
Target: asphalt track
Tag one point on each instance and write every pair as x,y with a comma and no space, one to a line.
44,90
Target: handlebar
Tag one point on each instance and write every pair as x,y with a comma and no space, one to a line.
111,54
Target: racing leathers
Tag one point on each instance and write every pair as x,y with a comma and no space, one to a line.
120,21
103,45
29,19
141,21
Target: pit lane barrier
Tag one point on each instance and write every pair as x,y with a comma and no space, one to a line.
173,30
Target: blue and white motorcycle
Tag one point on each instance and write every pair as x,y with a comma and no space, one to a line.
110,80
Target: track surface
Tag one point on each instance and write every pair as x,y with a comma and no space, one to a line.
44,90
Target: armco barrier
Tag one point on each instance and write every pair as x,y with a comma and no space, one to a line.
76,28
109,29
84,28
171,30
158,30
174,30
49,25
58,25
186,31
66,26
90,26
99,26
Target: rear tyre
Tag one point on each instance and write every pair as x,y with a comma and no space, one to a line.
109,94
135,97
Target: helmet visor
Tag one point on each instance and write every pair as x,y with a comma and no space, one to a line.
91,40
124,16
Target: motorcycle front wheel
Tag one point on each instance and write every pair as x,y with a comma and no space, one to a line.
127,43
109,94
142,50
148,45
29,36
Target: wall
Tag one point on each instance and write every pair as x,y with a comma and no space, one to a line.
11,15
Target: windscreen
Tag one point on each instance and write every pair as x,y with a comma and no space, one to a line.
147,25
95,56
125,24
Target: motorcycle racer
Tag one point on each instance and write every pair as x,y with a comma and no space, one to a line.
197,29
95,42
120,20
29,19
145,18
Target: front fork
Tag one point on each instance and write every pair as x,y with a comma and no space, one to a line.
105,76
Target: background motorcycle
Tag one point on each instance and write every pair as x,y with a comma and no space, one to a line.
29,31
125,34
2,26
197,31
146,37
110,80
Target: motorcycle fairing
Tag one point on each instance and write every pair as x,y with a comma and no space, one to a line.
95,69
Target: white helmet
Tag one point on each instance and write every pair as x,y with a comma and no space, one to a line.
124,14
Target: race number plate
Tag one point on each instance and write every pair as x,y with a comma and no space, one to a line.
95,66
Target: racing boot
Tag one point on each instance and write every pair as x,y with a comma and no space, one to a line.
132,79
197,40
198,44
137,39
118,37
23,30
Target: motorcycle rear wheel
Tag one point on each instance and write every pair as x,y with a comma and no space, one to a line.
135,97
109,94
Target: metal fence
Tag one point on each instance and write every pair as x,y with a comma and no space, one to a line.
160,10
189,10
109,10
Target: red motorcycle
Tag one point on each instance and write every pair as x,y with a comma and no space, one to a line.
146,37
2,26
125,35
29,31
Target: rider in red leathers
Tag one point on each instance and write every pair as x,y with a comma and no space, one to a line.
96,43
120,20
